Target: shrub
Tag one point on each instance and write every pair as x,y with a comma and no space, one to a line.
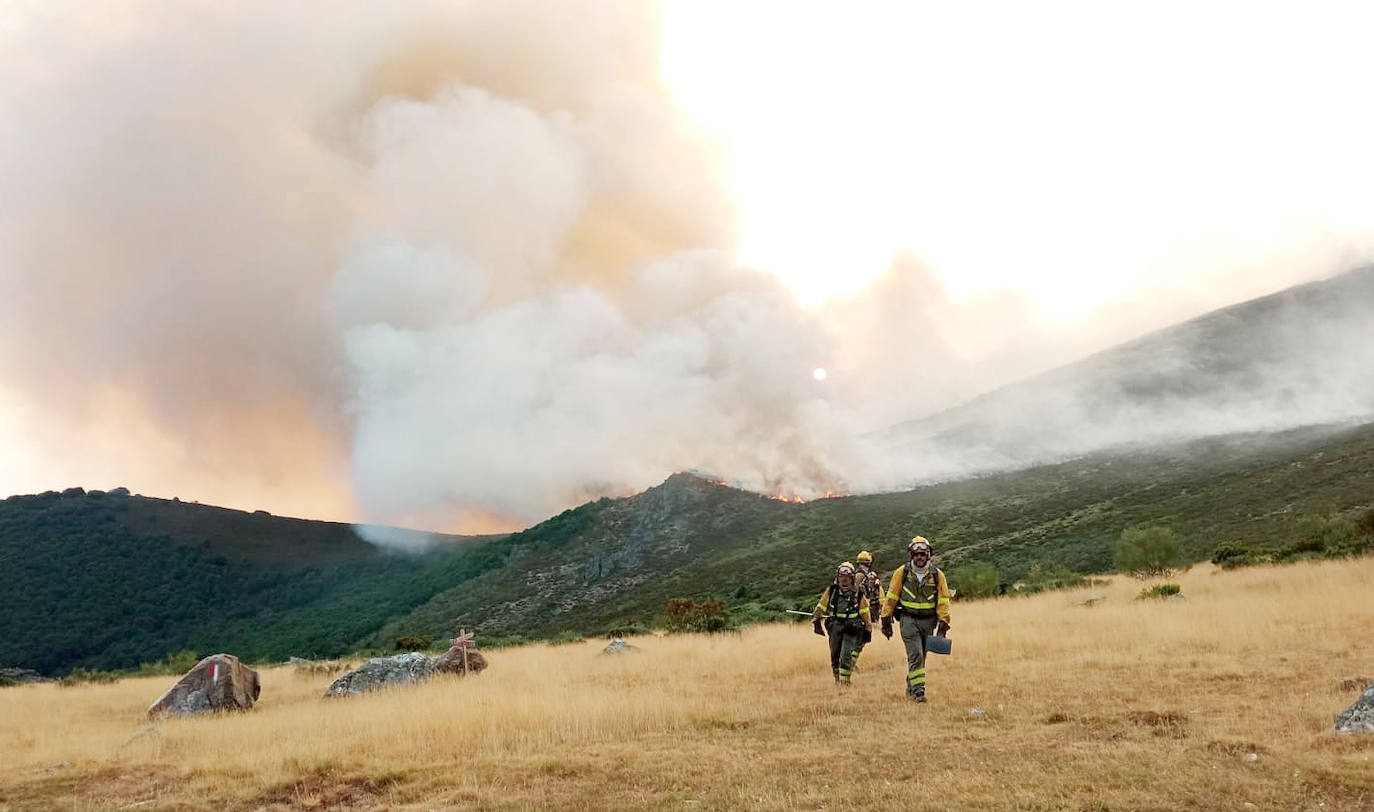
1236,553
1159,591
1041,577
687,615
1144,552
178,662
1364,522
566,637
977,579
78,676
417,642
505,641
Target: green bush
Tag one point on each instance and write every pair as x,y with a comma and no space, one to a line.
505,641
1364,522
77,676
1146,552
415,642
1236,553
1159,591
976,579
687,615
178,662
1041,577
566,637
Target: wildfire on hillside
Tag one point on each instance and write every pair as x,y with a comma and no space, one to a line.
790,498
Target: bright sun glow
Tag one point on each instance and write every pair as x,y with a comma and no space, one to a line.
819,373
1077,152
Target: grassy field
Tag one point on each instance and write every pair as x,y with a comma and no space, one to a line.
1219,700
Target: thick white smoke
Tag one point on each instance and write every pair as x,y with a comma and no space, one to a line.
464,262
473,247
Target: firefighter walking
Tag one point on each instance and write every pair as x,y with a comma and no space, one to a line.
919,597
843,613
872,586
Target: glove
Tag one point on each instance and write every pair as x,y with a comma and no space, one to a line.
816,627
942,628
868,635
887,627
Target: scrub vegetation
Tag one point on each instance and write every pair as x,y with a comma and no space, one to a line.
1219,701
111,581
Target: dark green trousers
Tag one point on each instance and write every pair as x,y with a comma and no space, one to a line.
844,647
914,633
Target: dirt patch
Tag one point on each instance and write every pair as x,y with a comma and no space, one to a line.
1236,749
1056,719
1356,684
55,786
1170,724
325,792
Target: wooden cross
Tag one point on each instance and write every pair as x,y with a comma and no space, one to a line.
464,641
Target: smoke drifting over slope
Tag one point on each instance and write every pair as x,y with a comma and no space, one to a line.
463,261
475,249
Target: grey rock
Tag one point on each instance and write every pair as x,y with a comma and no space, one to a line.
383,672
20,676
217,683
618,646
1359,717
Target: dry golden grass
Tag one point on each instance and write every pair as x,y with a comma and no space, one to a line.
1216,701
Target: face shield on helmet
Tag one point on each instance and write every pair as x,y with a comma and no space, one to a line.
844,575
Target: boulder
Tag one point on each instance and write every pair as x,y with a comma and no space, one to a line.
619,646
453,662
382,672
1359,717
217,683
20,676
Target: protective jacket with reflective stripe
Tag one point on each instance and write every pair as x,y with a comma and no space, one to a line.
872,587
847,607
930,598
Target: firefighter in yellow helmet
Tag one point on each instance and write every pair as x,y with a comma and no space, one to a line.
871,585
870,582
919,597
842,612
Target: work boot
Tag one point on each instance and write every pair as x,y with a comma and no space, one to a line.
920,695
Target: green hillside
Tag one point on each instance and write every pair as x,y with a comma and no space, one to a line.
693,538
108,580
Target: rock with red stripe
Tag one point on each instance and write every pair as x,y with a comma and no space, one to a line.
217,683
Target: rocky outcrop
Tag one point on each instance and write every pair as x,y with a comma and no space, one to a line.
20,676
217,683
619,646
404,669
1359,717
383,672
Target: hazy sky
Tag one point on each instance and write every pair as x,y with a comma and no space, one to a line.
464,264
1080,153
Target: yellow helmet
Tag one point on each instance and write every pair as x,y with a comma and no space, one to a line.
845,567
865,557
919,543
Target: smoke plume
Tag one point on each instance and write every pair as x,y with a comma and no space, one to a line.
448,265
